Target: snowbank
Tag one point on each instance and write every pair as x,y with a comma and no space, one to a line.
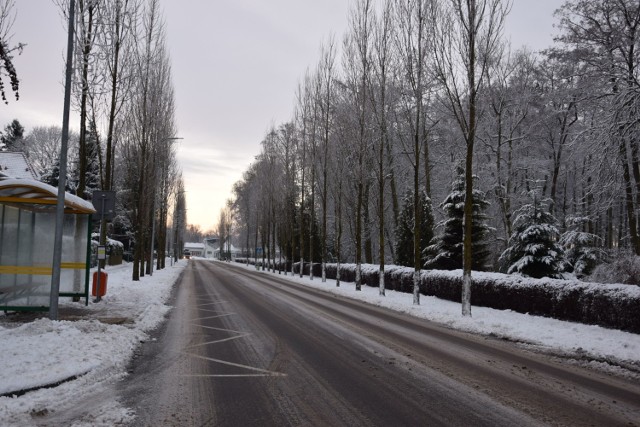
606,349
90,349
612,306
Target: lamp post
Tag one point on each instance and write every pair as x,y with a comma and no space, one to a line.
153,213
57,242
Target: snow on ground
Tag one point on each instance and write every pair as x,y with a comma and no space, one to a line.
89,348
94,344
557,336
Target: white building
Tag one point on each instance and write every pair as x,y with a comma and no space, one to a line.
211,245
225,251
194,248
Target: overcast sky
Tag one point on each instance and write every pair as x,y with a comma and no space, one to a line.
236,64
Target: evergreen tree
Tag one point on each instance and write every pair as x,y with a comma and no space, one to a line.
92,174
581,254
13,136
445,251
51,176
533,247
404,231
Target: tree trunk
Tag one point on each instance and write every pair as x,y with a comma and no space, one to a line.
82,148
359,231
392,184
630,205
381,176
368,244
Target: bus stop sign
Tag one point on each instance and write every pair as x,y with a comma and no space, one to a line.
104,203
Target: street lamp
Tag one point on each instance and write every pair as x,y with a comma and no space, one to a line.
57,239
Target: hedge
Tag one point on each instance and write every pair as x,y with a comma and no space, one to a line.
611,306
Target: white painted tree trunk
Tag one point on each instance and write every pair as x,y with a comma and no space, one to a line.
466,294
381,281
416,287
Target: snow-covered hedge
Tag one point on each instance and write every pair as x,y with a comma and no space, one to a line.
613,306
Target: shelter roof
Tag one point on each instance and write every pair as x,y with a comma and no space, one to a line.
35,193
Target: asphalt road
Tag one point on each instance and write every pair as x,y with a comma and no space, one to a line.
248,349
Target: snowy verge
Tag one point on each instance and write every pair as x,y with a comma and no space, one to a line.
92,347
610,305
560,337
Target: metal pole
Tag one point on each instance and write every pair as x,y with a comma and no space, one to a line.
57,241
98,298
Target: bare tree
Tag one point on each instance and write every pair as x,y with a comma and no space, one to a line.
382,62
413,45
150,121
604,37
42,147
468,39
511,94
7,69
326,77
357,68
117,46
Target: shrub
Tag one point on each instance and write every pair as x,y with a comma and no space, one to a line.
625,270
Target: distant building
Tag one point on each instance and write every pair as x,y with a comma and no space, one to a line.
212,249
194,248
211,245
226,252
14,164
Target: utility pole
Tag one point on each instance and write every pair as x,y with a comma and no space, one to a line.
62,181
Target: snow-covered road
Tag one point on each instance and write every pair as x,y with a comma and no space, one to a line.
95,344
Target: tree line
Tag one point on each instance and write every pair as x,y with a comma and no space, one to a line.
124,99
421,138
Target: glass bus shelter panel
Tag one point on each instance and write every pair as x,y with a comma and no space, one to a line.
25,278
26,254
74,253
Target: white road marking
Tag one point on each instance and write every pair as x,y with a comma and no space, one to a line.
221,329
211,303
231,375
218,341
213,317
237,365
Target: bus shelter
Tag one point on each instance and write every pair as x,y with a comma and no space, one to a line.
27,229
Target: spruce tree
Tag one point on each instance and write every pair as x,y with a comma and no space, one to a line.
12,138
581,253
533,247
404,230
445,251
51,176
92,176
